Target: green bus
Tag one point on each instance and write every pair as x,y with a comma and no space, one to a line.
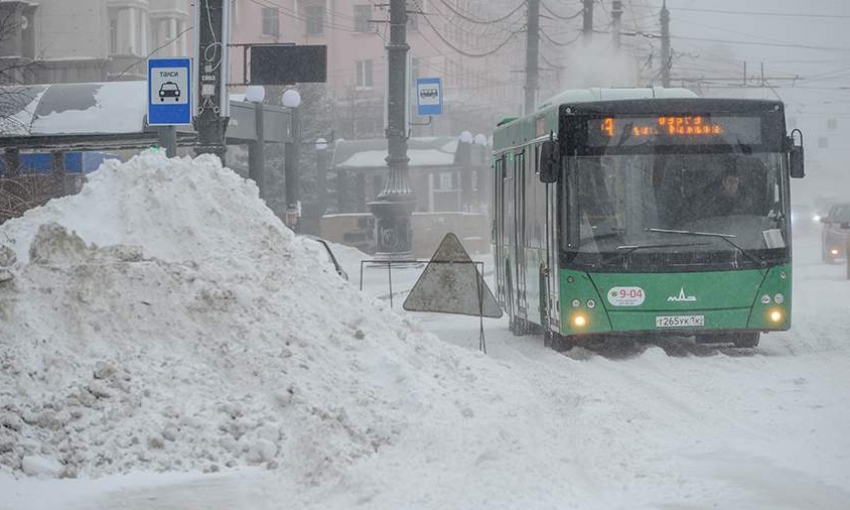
645,212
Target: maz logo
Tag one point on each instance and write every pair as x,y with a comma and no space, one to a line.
681,297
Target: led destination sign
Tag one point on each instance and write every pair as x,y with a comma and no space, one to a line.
673,130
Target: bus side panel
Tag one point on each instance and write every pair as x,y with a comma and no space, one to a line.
509,238
519,240
498,235
535,241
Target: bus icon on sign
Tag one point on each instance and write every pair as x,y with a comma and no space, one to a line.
429,93
169,89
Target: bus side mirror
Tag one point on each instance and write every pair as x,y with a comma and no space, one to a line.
796,157
549,159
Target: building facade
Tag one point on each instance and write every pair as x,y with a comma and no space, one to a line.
62,41
478,89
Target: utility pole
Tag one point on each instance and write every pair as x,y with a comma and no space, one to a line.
617,15
212,32
394,206
532,48
665,45
587,28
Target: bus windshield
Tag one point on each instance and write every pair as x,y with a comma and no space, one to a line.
658,211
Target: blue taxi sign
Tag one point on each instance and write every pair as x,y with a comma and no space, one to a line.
169,91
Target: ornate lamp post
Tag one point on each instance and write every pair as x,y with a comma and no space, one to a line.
394,206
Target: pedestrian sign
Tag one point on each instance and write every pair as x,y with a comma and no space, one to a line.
429,97
169,91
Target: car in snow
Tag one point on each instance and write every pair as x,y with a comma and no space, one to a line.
836,232
169,89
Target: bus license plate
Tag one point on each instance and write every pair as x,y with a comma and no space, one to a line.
679,321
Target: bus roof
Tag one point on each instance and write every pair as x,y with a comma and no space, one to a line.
605,94
510,132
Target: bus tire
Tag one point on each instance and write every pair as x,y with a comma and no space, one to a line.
746,340
561,343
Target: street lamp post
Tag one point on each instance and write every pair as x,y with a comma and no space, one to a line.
393,207
292,99
464,158
480,162
322,175
256,150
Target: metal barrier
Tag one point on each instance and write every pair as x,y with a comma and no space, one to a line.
479,266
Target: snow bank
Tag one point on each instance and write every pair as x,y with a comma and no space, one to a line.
164,319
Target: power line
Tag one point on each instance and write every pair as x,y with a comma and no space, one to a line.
558,16
751,43
467,17
465,53
152,53
764,13
745,43
557,43
294,15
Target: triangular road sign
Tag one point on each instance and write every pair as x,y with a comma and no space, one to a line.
451,283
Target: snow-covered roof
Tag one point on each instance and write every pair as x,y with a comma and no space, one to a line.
371,154
115,109
73,108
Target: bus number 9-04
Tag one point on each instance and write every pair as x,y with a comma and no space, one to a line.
631,293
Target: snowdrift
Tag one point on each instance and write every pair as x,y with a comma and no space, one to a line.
164,319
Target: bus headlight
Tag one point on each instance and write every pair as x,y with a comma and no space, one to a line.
579,320
833,251
775,315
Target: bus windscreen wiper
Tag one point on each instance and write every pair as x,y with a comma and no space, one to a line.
726,237
598,237
629,249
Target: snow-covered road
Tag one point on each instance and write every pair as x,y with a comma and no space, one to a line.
635,429
261,356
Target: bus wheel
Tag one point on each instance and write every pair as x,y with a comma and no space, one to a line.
560,343
746,340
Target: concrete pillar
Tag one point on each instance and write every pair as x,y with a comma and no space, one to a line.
13,163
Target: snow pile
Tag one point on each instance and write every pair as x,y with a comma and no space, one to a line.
164,319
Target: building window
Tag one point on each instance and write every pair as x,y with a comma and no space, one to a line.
364,74
413,7
832,124
156,35
415,68
271,21
362,15
113,36
315,20
823,143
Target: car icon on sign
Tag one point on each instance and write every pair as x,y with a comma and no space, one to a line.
169,89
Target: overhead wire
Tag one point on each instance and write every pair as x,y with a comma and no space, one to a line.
558,43
461,51
764,13
468,17
558,16
152,53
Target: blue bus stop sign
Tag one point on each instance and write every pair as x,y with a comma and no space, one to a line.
429,97
169,91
